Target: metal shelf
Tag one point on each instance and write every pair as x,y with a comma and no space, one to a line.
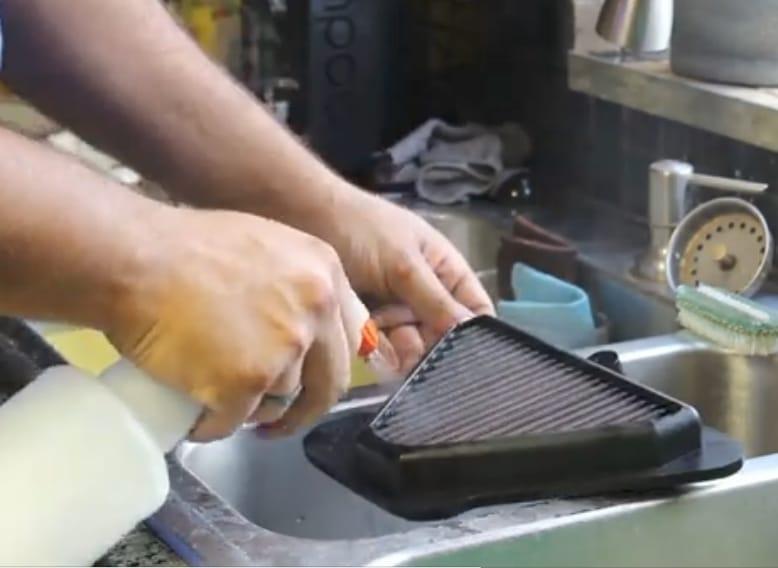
746,114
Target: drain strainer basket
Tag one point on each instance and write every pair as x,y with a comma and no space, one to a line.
724,243
494,414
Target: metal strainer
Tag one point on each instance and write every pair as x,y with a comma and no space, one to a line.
724,243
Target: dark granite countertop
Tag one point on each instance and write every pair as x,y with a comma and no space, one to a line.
141,548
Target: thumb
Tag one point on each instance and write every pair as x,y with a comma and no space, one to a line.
416,284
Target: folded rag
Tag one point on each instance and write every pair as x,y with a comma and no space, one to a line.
536,247
447,163
551,309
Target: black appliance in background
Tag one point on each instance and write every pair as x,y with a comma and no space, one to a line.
366,72
342,55
347,77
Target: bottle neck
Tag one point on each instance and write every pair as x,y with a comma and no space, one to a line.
168,415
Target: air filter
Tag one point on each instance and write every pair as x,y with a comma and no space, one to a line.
493,414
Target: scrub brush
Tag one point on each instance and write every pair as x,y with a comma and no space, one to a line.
728,319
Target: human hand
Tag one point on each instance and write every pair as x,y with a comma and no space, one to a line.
423,283
230,307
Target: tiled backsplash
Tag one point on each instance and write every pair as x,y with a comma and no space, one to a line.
612,148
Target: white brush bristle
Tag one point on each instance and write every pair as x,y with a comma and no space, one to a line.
738,342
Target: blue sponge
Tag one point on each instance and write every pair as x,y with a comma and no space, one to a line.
553,310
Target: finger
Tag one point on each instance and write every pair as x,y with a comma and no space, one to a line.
325,379
469,292
417,285
408,345
215,425
352,313
428,336
225,416
273,405
462,283
394,315
385,361
270,410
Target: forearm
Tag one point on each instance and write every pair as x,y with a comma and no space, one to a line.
70,241
124,76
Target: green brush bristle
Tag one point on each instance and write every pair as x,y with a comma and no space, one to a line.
729,320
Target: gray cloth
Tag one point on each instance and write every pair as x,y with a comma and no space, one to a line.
447,164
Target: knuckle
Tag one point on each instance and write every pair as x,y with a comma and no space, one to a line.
322,300
294,339
258,381
248,374
404,266
331,260
317,293
327,253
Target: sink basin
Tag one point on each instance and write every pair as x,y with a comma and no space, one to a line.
477,237
250,501
735,394
296,499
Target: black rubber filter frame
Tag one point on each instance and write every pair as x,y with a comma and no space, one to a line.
493,414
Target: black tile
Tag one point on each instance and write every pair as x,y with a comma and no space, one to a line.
760,165
713,154
608,118
636,182
642,131
674,140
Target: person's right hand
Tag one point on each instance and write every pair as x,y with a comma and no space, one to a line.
229,307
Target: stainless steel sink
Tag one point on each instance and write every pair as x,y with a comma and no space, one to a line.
476,236
252,501
249,501
296,499
735,394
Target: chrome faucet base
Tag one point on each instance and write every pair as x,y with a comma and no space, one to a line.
651,265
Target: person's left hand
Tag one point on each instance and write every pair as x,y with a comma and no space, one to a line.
423,283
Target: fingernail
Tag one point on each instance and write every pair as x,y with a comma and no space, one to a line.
262,433
270,430
464,315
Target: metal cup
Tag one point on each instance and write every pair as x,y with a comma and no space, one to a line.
639,26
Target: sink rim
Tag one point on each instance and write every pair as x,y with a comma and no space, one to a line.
756,471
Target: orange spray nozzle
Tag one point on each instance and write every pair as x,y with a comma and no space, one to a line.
378,352
370,339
